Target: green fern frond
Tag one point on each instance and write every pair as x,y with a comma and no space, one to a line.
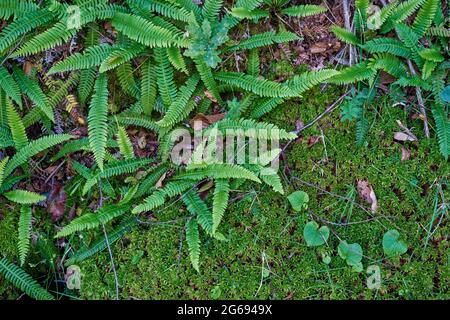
121,54
193,242
10,86
253,63
55,36
98,120
17,8
171,11
387,45
137,121
211,9
126,79
147,185
274,181
207,77
428,68
264,106
439,32
102,244
220,201
23,281
433,55
16,127
93,220
164,77
196,206
24,196
254,15
14,30
389,64
179,105
218,171
3,163
261,87
362,128
303,10
401,13
91,57
148,87
264,39
34,92
355,73
158,197
125,146
176,59
86,85
33,148
442,129
425,17
23,243
309,79
144,31
345,35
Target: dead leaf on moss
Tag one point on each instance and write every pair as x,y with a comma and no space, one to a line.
159,183
210,96
404,136
367,193
201,121
406,154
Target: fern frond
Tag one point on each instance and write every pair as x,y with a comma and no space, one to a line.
126,79
264,39
439,32
93,220
261,87
345,35
17,8
193,242
125,146
178,106
10,86
168,10
101,244
264,106
362,128
176,59
24,196
303,10
91,57
211,9
220,201
16,127
442,129
401,13
196,206
253,63
387,45
355,73
23,243
274,181
207,77
309,79
164,77
3,163
389,64
98,120
121,54
218,171
148,183
137,121
433,55
13,31
23,280
148,87
34,92
425,17
144,31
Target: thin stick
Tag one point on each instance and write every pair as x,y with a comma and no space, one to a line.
420,102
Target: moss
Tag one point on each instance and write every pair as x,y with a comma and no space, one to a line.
8,236
265,234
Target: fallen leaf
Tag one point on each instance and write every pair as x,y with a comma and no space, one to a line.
313,140
57,202
201,121
403,136
210,96
27,67
406,154
319,47
367,193
142,142
159,183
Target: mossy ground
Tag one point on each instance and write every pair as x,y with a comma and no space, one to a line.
266,256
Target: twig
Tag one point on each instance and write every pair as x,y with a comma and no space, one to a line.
346,9
113,266
420,102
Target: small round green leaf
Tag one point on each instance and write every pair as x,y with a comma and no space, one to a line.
314,236
352,254
393,245
299,200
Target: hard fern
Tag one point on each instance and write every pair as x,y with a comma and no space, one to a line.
23,243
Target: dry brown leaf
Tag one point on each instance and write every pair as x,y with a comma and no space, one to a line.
27,67
313,140
367,193
210,96
206,186
201,121
319,47
159,183
406,154
403,136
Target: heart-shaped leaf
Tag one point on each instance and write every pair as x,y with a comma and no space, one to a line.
392,244
314,236
299,200
352,254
